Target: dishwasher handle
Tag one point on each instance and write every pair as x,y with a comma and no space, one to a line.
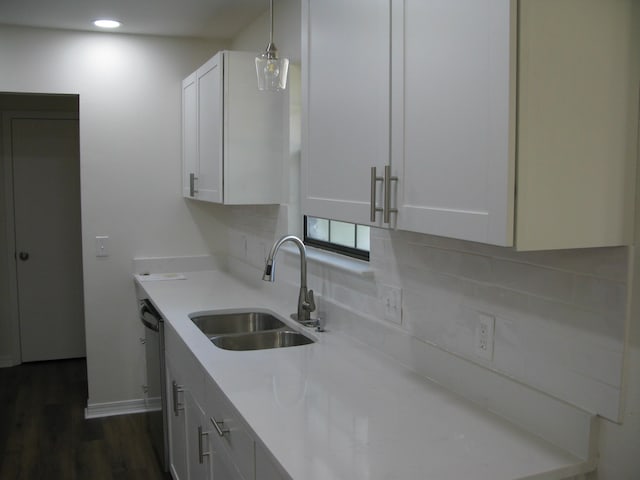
149,317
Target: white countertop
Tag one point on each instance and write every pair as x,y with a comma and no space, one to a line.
337,409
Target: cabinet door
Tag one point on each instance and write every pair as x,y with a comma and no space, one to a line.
177,426
453,99
209,128
223,467
234,441
189,135
185,385
345,81
266,467
199,433
254,134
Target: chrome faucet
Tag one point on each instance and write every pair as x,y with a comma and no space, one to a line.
306,303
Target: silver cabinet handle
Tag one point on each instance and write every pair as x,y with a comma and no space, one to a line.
219,426
374,180
387,210
192,185
201,452
177,406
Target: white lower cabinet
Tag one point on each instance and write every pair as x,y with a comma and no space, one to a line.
191,456
233,439
177,427
199,451
222,466
266,466
208,439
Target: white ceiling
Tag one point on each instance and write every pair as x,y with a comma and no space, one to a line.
192,18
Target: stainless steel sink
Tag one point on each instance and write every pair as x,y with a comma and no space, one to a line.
214,325
261,340
247,331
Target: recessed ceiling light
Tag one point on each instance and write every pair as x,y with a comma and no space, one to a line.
107,23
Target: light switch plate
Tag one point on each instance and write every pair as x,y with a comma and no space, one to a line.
101,246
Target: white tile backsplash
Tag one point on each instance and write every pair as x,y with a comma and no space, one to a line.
600,294
194,263
532,279
560,315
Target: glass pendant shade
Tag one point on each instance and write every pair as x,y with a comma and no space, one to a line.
272,73
271,70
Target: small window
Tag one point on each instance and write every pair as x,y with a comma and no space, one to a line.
340,237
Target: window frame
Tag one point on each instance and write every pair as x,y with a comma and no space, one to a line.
334,247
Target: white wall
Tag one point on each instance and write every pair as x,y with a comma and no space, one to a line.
129,88
286,31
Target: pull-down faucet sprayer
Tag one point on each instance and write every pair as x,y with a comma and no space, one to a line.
306,303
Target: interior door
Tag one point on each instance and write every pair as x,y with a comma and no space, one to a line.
46,187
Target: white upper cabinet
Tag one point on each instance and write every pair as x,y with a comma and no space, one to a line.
210,113
577,144
345,82
452,102
506,122
189,134
234,136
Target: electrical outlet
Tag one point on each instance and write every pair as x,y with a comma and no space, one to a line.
392,300
484,336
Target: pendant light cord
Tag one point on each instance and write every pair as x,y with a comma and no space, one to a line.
271,32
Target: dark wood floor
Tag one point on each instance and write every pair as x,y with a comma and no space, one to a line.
43,433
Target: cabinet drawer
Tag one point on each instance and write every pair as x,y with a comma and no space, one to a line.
229,431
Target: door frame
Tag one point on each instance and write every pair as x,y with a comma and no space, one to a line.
12,273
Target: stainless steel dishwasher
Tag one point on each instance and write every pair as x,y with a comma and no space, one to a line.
156,391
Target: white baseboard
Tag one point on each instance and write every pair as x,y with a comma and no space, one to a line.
7,361
125,407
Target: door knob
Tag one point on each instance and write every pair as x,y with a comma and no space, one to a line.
24,256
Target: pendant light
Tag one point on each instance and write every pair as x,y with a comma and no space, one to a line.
271,70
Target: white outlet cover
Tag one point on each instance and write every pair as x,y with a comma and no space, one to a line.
392,302
484,336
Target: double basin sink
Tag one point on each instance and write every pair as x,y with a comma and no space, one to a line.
248,331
